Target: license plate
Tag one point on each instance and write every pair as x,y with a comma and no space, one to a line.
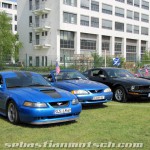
63,111
148,94
98,97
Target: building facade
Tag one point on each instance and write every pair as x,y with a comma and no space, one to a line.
52,29
10,7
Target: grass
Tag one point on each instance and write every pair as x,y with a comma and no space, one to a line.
113,122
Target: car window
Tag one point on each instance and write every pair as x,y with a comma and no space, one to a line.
94,73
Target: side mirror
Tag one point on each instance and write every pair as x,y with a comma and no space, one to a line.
1,86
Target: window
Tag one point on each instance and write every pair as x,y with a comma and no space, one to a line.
84,20
42,60
107,9
119,26
120,1
145,18
137,3
66,39
30,61
118,46
37,39
70,18
88,44
144,31
30,4
145,5
119,12
95,6
15,17
105,43
94,22
45,60
30,37
37,59
136,29
130,2
130,53
85,4
30,21
136,16
129,28
129,14
6,5
71,2
106,24
15,27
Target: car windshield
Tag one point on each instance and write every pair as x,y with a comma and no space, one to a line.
26,80
119,73
69,75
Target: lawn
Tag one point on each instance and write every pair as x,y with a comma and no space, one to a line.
111,123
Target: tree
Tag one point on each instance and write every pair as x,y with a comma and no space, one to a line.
9,44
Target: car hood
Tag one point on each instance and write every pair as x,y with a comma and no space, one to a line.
133,81
79,84
36,94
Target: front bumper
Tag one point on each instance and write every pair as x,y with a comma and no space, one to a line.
88,99
138,94
47,115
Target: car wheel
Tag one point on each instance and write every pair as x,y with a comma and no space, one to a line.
12,113
120,94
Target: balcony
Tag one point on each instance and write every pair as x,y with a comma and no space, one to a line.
41,26
41,44
39,9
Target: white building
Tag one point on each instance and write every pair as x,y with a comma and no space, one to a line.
10,7
50,29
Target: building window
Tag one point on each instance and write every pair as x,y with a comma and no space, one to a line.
45,60
129,28
6,5
30,61
106,24
88,44
118,46
131,53
119,12
30,21
37,63
136,29
66,39
30,4
42,60
105,43
129,14
70,18
71,2
122,1
15,27
136,16
130,2
30,37
37,39
95,6
119,26
137,3
107,9
145,18
144,31
85,4
84,20
143,48
145,5
15,17
94,22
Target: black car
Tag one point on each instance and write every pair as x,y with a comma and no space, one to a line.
123,83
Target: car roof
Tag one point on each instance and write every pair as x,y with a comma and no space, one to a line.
108,68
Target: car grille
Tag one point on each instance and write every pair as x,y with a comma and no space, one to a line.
143,89
95,91
59,104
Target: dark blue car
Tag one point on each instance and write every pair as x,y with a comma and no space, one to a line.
85,90
28,97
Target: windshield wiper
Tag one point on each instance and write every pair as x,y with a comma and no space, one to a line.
37,84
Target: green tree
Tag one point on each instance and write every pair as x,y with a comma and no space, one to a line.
9,44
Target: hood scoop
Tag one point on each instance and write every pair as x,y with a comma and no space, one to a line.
51,92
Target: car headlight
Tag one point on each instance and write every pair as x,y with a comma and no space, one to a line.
107,90
35,105
75,101
79,92
132,88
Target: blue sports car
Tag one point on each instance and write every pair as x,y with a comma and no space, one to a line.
28,97
85,90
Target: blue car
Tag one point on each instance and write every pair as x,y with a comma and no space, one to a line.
28,97
86,91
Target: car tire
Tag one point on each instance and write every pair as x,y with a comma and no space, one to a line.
120,94
12,113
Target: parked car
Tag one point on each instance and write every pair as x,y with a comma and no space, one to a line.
86,91
28,97
123,83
